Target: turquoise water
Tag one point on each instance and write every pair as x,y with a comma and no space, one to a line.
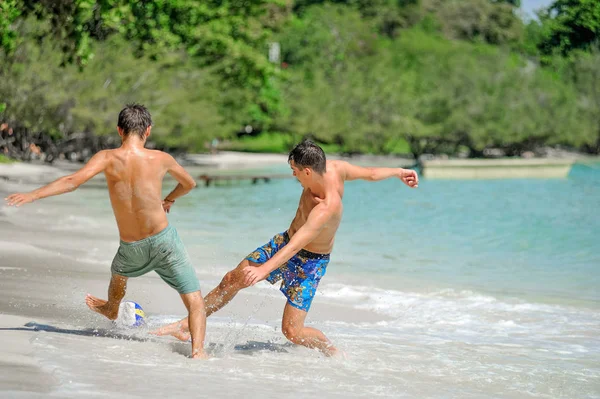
533,239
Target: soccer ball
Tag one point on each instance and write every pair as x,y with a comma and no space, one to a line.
131,315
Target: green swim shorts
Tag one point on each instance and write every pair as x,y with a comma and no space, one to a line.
164,253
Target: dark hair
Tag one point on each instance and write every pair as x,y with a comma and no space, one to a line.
309,155
134,118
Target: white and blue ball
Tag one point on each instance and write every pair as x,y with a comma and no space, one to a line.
131,315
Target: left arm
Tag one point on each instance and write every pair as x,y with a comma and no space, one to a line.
185,182
316,221
64,184
353,172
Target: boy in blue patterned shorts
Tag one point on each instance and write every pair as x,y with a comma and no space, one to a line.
301,274
299,256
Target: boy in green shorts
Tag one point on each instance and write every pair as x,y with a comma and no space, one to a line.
134,177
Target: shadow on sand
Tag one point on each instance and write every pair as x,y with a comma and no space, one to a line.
183,348
89,332
249,348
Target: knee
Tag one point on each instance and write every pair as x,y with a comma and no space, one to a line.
291,332
195,300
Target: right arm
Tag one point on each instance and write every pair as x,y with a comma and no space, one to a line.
64,184
315,223
185,182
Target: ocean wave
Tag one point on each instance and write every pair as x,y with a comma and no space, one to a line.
76,222
23,248
463,311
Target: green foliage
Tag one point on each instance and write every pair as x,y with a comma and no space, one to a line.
532,35
5,159
584,71
9,12
477,20
570,25
28,87
372,76
43,96
177,93
441,96
268,142
229,36
326,36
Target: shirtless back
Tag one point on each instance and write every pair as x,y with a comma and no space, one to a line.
148,243
134,177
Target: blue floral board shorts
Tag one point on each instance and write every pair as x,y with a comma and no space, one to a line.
300,275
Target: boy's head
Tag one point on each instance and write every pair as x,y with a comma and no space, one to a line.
306,158
134,119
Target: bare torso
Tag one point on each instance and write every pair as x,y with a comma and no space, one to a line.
134,177
334,183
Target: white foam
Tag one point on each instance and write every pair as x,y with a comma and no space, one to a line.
386,359
93,261
75,222
20,247
395,303
467,316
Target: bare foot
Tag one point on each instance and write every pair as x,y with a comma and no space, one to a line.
174,329
200,355
101,306
332,351
339,354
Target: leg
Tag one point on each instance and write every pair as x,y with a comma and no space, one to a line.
197,322
116,292
231,284
293,328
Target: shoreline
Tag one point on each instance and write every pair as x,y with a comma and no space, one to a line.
228,161
502,168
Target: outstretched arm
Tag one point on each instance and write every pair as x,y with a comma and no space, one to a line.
353,172
64,184
309,231
185,182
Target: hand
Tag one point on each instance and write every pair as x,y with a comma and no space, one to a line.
409,177
167,205
19,199
254,274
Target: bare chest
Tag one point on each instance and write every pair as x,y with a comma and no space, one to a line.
306,205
